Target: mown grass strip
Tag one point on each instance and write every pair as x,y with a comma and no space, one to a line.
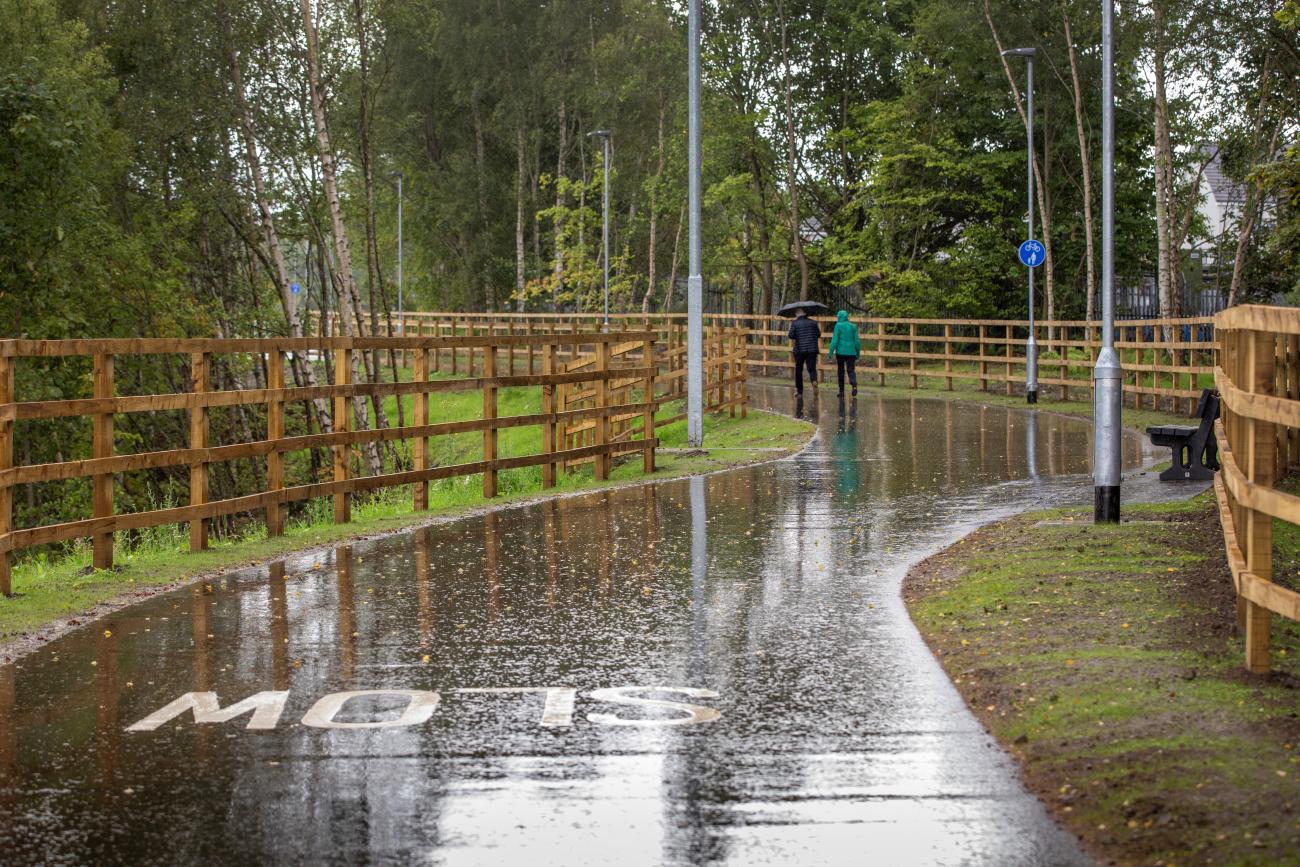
1106,660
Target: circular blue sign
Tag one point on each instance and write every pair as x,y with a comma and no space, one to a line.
1032,253
295,288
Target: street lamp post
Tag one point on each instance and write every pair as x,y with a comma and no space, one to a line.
603,135
695,277
1107,375
1031,346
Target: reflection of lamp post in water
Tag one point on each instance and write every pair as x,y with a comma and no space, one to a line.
699,575
1107,376
1031,445
1031,346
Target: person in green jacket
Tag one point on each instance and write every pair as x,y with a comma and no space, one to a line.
845,346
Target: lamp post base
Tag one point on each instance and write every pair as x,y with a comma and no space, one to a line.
1105,504
1032,396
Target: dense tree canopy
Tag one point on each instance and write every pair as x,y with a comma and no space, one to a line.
165,169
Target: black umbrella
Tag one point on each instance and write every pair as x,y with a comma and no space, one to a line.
812,308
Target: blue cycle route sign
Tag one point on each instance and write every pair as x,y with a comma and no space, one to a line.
1032,253
295,288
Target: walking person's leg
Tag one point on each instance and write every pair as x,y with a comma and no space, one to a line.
839,371
798,372
812,368
852,362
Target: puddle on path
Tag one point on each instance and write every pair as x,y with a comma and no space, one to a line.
771,590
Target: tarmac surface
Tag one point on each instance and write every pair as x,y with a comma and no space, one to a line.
708,671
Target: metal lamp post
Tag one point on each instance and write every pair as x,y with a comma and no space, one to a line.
695,279
1107,375
603,135
1031,346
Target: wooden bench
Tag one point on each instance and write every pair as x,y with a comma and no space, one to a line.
1195,451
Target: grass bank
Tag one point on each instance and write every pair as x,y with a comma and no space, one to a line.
63,590
1106,660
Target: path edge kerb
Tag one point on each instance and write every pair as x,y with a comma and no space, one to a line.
16,648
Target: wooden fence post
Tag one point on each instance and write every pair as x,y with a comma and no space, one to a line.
6,462
880,352
489,414
947,353
342,425
911,352
984,365
532,350
275,433
510,349
648,423
420,455
602,405
455,351
1261,449
550,429
437,349
732,347
1063,349
102,447
744,384
1008,364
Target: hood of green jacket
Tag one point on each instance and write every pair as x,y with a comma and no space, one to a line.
842,316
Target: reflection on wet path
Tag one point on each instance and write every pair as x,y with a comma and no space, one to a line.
771,592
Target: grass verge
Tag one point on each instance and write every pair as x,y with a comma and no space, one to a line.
1106,660
65,590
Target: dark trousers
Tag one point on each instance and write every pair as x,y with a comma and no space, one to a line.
802,359
849,363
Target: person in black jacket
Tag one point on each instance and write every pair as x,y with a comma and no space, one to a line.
806,337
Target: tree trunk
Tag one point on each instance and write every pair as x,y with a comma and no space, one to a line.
489,289
375,274
1040,191
343,273
653,251
672,273
1085,164
767,274
563,152
1163,150
302,369
792,161
1255,192
1044,193
520,182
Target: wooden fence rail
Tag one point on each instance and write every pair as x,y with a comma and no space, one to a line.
1258,377
726,386
1166,361
200,455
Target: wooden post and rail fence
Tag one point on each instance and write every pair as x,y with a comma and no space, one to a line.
600,392
1166,361
200,455
1258,379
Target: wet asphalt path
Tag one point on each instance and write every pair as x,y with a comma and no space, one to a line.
808,723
